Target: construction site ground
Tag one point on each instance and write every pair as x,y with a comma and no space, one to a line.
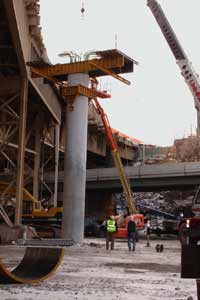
90,272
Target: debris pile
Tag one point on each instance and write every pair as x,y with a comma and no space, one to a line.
164,209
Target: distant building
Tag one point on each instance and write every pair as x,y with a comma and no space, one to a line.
187,149
152,154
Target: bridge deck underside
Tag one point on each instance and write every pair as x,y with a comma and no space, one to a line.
148,184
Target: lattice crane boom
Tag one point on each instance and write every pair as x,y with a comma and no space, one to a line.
187,70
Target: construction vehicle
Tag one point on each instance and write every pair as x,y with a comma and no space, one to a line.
189,226
187,70
46,220
122,222
189,229
32,208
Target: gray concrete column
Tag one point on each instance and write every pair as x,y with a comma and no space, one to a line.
21,151
75,164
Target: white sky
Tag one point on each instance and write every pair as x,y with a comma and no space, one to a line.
158,106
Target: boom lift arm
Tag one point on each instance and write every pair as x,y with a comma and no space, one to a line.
187,70
116,157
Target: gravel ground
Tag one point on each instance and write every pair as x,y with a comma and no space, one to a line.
90,272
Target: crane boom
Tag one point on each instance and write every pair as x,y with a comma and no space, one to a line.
116,157
187,70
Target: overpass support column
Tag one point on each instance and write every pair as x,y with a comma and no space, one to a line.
75,163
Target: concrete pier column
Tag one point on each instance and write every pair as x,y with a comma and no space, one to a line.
75,164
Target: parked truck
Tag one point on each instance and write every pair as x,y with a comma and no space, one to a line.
189,226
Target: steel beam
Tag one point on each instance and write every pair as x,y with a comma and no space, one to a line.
21,150
14,146
109,72
79,67
49,97
36,163
71,92
19,27
57,146
8,159
17,19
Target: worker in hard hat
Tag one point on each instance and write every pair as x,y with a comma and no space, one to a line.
111,229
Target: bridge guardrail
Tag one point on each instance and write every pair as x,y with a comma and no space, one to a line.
143,171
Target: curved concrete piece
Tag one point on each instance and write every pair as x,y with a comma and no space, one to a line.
37,264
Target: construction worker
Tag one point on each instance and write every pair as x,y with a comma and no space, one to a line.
111,229
131,228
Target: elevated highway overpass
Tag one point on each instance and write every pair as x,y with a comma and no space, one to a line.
148,177
177,176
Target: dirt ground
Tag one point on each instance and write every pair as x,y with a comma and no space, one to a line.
90,272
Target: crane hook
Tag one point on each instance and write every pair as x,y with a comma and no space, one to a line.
82,10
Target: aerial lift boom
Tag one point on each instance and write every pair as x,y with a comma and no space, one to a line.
187,70
116,157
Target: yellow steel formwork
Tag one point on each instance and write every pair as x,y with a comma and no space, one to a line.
113,60
71,92
109,72
79,67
